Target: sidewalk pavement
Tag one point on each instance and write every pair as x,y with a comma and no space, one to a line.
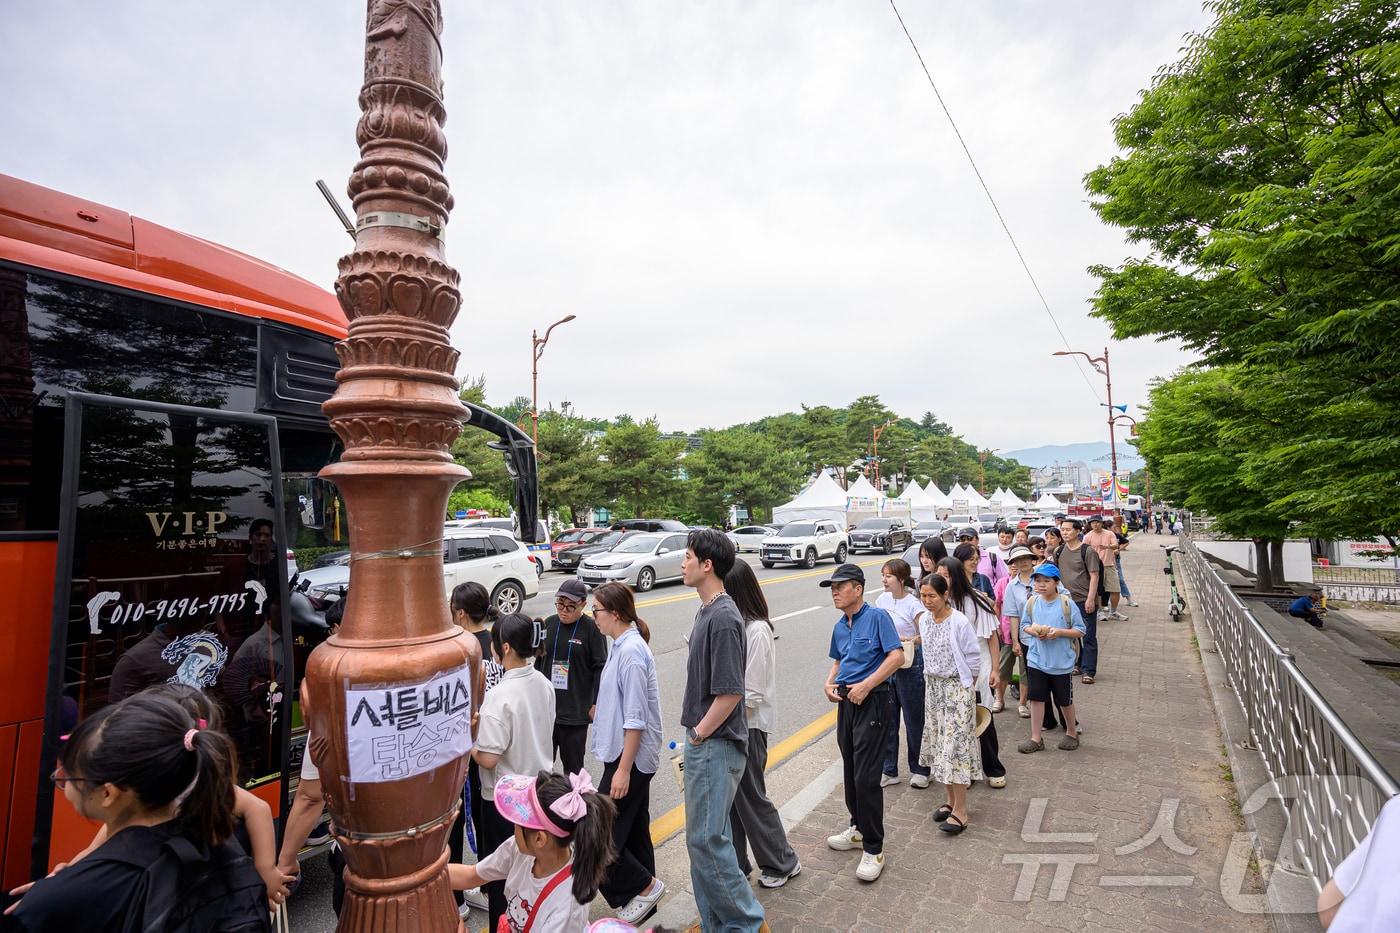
1136,830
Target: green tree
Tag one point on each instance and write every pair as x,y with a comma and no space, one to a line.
568,464
641,467
740,467
1262,174
488,467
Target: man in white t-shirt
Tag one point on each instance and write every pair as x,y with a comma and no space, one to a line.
1362,895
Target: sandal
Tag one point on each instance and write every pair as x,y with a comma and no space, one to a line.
1028,746
942,813
1088,679
952,825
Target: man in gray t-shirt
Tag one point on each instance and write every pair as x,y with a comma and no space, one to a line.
712,710
715,667
1080,572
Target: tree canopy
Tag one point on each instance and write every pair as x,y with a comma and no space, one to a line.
1261,172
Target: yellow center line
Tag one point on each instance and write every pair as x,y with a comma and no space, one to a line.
804,575
673,821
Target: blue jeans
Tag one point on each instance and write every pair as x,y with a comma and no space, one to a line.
722,894
1123,581
1089,644
908,698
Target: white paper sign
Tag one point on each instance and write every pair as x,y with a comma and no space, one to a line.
396,731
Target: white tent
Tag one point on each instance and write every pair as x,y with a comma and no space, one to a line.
923,506
1047,501
863,489
976,498
823,498
912,491
939,497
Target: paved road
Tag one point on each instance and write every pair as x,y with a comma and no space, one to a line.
802,615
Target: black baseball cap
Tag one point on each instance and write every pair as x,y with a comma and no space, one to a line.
573,589
844,573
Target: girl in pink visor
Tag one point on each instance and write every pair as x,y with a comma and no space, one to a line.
559,856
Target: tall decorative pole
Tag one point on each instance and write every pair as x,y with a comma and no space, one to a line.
385,702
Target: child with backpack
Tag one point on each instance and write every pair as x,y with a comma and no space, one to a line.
161,785
560,852
1050,625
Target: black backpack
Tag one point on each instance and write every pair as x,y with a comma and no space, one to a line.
188,888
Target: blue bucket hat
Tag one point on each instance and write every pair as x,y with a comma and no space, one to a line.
1046,570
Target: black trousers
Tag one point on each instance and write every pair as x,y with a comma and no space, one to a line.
861,732
456,839
991,748
491,832
570,742
631,874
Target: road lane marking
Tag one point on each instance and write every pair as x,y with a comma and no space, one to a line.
799,612
673,821
804,575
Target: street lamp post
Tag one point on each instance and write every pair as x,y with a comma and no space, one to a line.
394,789
536,351
876,453
1100,364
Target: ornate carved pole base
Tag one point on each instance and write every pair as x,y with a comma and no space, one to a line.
384,697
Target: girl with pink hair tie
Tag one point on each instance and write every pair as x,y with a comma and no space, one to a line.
559,855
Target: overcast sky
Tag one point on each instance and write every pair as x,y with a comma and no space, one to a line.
749,205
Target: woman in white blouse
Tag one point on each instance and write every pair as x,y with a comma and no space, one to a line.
952,662
907,694
753,818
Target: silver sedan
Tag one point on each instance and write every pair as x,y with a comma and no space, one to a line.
643,561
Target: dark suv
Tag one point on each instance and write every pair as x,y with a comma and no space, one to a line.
650,524
885,535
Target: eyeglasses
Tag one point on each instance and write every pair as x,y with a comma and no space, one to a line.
61,780
567,604
598,609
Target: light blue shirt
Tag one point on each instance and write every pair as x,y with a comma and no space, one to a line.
628,698
1051,655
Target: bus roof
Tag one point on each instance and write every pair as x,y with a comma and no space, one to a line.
70,236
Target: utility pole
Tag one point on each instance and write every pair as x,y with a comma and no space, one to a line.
1100,364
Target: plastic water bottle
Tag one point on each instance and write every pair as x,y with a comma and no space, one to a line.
678,763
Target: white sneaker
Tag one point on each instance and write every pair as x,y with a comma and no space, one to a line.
918,780
638,908
1121,616
870,866
845,841
998,706
472,898
1133,603
887,779
1024,712
997,782
777,881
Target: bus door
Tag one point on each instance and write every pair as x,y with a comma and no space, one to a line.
171,570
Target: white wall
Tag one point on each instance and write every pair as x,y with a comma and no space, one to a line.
1297,556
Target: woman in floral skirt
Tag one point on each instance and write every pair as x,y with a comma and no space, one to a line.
951,661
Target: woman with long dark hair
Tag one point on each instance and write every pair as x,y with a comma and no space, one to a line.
514,734
627,740
981,612
950,669
753,819
907,683
931,551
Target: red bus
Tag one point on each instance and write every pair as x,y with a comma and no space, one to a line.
160,437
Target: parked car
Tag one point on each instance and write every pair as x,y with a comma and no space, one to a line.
573,537
650,524
885,535
541,551
1039,526
331,559
805,543
642,561
489,556
569,558
750,537
932,528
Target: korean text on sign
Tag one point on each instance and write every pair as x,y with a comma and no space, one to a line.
396,731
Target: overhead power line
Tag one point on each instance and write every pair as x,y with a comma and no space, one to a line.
991,200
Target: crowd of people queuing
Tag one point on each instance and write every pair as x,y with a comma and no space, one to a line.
935,651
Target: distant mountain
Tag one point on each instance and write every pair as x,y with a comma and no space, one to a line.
1088,453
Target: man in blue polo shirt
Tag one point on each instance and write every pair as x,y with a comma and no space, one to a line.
865,651
1307,608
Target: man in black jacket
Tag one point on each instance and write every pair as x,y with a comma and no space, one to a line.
574,655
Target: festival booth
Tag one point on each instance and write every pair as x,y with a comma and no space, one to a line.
1048,502
822,498
923,506
864,501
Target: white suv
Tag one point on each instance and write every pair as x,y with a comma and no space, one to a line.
805,543
490,556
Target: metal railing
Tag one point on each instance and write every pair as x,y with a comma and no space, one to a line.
1312,757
